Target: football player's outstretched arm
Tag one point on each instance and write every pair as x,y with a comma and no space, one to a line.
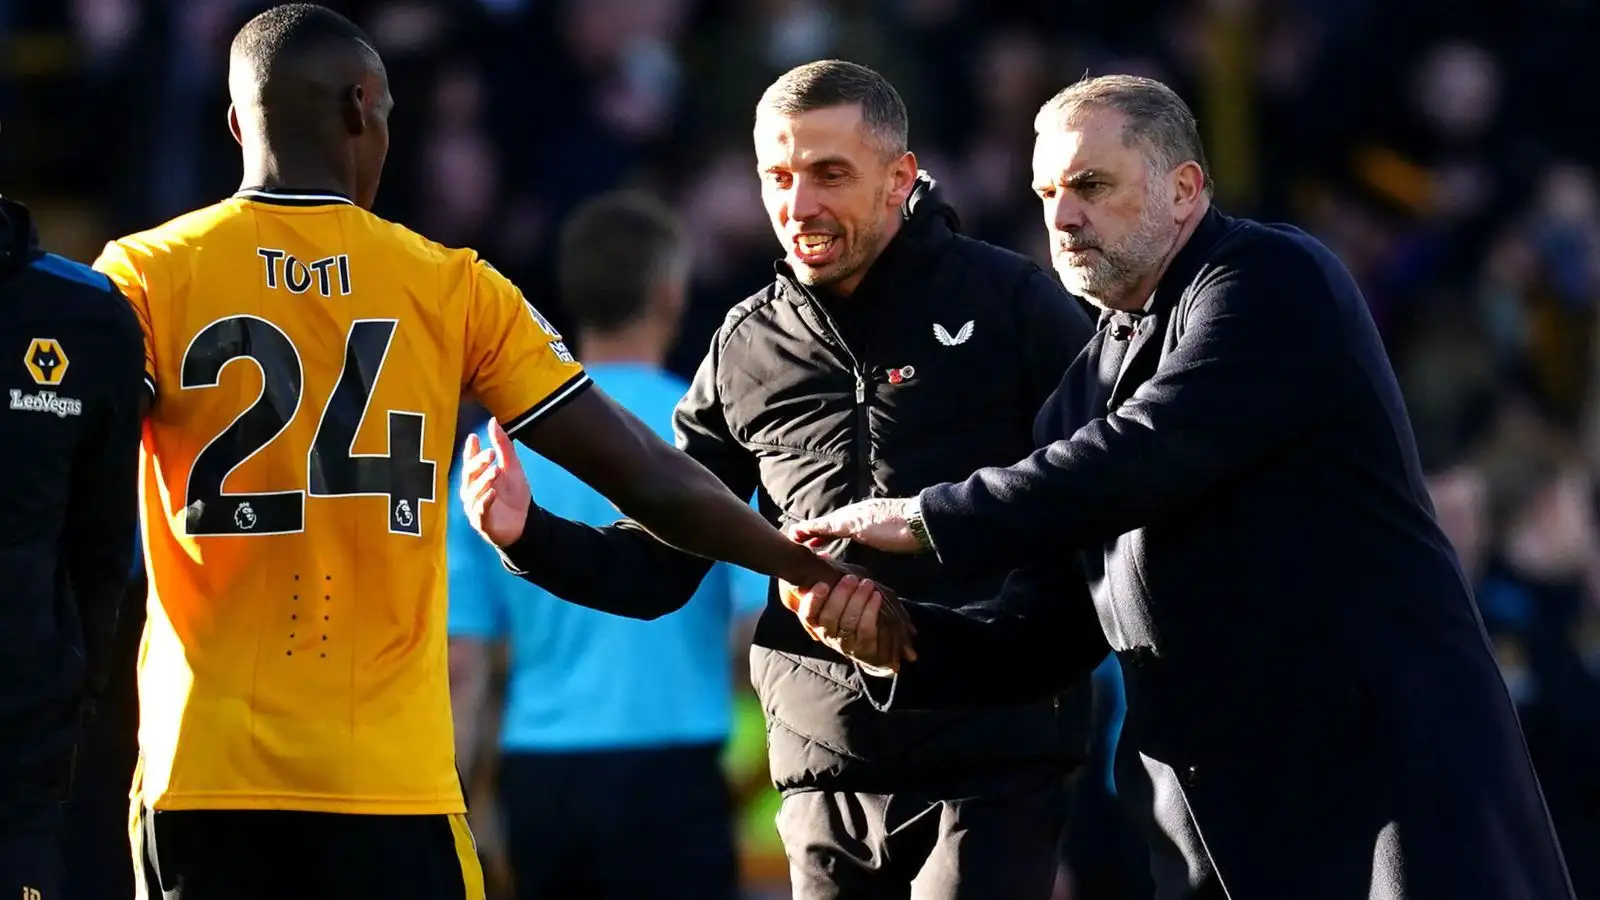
518,367
620,567
665,491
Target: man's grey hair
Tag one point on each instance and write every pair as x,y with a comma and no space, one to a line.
828,83
1157,118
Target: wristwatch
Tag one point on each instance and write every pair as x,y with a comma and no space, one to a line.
915,525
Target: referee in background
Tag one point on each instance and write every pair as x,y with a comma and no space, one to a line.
641,707
71,363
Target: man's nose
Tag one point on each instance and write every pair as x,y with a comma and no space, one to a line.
805,201
1067,215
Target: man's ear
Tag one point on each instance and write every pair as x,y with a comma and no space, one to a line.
902,178
353,110
233,125
1188,185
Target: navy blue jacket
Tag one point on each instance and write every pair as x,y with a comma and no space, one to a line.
1302,654
71,367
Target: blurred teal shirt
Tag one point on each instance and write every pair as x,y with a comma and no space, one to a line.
586,680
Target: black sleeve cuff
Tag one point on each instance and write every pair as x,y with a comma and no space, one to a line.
942,507
521,556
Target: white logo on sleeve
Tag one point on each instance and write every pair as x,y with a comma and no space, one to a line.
960,337
540,320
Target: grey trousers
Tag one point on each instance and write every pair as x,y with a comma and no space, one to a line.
1000,845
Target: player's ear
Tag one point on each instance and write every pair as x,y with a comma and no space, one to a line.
233,125
353,110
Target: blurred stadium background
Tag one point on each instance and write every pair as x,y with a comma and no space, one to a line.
1445,148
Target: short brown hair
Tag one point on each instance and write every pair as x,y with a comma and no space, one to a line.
828,83
612,252
1156,117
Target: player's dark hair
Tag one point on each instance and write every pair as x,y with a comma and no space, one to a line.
285,34
612,252
835,82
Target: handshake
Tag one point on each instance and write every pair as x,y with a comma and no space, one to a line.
853,615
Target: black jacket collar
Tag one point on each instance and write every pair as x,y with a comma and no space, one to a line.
927,225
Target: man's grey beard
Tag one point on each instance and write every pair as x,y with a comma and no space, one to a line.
1116,270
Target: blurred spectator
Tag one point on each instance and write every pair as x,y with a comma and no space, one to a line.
1523,521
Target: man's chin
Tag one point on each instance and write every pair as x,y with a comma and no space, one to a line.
1072,279
815,276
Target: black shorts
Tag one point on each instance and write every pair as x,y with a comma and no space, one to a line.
262,854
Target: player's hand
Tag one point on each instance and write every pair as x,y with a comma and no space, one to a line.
494,489
857,618
880,524
789,594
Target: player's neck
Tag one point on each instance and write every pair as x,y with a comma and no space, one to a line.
272,171
639,346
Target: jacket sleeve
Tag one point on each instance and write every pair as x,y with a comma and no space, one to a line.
621,568
102,508
1040,636
1256,365
1054,328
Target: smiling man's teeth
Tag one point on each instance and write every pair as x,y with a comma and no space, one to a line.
814,242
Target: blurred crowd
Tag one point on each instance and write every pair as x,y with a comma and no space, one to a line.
1443,148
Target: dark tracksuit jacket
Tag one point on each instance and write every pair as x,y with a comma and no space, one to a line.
71,367
935,365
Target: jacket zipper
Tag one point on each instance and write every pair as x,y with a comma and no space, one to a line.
862,439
